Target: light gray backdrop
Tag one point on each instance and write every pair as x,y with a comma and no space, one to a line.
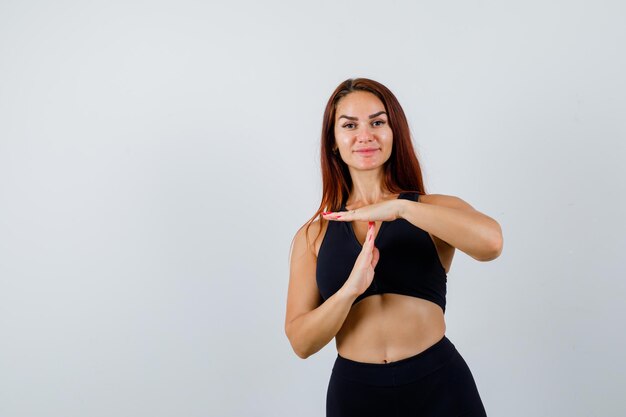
156,159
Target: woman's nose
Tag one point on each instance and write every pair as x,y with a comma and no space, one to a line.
365,135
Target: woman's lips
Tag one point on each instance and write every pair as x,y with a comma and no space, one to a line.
366,152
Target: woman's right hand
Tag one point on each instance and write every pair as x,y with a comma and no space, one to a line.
363,271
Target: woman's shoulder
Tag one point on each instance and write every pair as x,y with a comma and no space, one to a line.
311,233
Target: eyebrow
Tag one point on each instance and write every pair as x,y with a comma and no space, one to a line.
356,118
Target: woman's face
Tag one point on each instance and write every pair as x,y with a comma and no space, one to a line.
362,131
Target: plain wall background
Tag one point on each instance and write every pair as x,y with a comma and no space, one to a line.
157,157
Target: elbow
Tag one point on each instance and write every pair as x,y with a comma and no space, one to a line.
301,354
299,350
494,247
491,255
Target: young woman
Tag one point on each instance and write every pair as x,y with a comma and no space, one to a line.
370,267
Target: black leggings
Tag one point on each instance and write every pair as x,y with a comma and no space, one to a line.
434,383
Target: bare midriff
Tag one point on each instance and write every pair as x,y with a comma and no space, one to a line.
388,327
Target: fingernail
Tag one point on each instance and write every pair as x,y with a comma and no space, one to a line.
326,212
337,217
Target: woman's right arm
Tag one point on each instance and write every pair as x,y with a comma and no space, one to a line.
310,323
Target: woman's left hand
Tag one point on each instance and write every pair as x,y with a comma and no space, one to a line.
384,211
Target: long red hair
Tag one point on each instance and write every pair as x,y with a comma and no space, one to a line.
402,172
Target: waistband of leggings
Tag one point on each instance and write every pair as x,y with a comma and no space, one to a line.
398,372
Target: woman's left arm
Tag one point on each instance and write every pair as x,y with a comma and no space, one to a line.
456,222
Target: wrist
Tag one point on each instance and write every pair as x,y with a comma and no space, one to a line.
402,208
347,294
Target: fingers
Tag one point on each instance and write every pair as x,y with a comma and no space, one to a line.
375,257
369,253
331,216
368,244
369,238
345,216
339,215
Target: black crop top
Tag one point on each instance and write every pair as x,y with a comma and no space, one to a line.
408,263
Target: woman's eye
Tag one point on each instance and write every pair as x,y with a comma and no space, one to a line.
349,125
378,123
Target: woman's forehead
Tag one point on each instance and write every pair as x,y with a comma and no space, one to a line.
359,102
